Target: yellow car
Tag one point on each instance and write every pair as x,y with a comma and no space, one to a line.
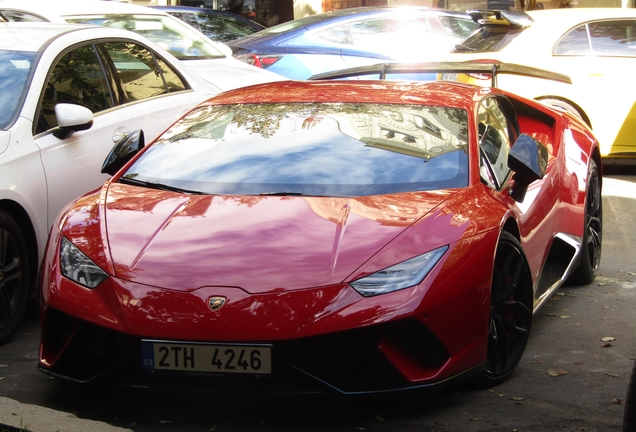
595,47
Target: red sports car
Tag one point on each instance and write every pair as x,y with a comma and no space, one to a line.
349,236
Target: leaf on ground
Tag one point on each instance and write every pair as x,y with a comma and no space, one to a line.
608,339
601,284
564,316
618,401
1,378
4,365
632,273
555,298
536,361
517,399
605,307
561,294
611,374
554,315
556,373
475,418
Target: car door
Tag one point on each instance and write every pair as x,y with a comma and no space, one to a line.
87,76
496,136
72,165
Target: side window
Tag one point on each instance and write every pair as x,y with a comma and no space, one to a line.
494,142
77,78
613,38
601,38
573,43
142,75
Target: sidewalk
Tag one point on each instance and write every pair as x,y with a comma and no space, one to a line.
16,416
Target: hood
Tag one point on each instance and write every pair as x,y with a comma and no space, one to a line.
260,244
229,73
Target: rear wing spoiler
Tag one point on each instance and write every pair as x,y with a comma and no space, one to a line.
469,67
508,18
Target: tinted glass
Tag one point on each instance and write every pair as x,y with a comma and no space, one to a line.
175,36
222,28
140,74
613,38
310,149
78,78
494,142
15,67
575,42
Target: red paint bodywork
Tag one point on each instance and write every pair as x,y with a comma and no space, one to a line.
274,259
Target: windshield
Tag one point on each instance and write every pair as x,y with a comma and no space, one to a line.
172,34
15,67
309,149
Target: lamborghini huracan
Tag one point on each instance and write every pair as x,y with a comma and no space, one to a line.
348,236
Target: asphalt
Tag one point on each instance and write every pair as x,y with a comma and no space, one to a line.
19,417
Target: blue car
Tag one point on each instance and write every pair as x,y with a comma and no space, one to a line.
220,26
353,37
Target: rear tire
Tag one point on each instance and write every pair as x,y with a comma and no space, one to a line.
510,312
592,239
14,277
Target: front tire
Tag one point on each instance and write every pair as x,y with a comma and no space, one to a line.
510,311
592,240
14,277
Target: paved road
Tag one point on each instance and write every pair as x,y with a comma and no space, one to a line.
568,380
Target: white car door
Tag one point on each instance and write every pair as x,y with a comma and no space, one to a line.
141,85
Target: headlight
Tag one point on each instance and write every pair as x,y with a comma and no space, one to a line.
78,267
403,275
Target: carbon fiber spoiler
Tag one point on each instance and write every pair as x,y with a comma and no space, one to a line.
509,18
468,67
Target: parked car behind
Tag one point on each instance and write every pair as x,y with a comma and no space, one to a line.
211,60
352,37
346,236
595,47
67,94
221,26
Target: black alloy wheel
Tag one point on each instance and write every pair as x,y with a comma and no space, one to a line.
14,277
593,232
510,311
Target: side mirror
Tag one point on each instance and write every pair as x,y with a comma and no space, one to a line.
72,118
125,149
528,158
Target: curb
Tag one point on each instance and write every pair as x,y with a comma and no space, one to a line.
19,417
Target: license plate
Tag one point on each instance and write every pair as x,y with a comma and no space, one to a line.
188,357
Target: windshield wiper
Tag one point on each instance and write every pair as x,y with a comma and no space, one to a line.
281,194
159,186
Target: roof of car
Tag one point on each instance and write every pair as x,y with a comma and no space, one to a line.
31,36
439,93
53,10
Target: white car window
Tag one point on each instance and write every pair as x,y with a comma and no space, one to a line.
77,78
611,38
142,75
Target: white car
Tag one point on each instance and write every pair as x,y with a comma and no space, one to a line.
67,93
211,60
595,47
